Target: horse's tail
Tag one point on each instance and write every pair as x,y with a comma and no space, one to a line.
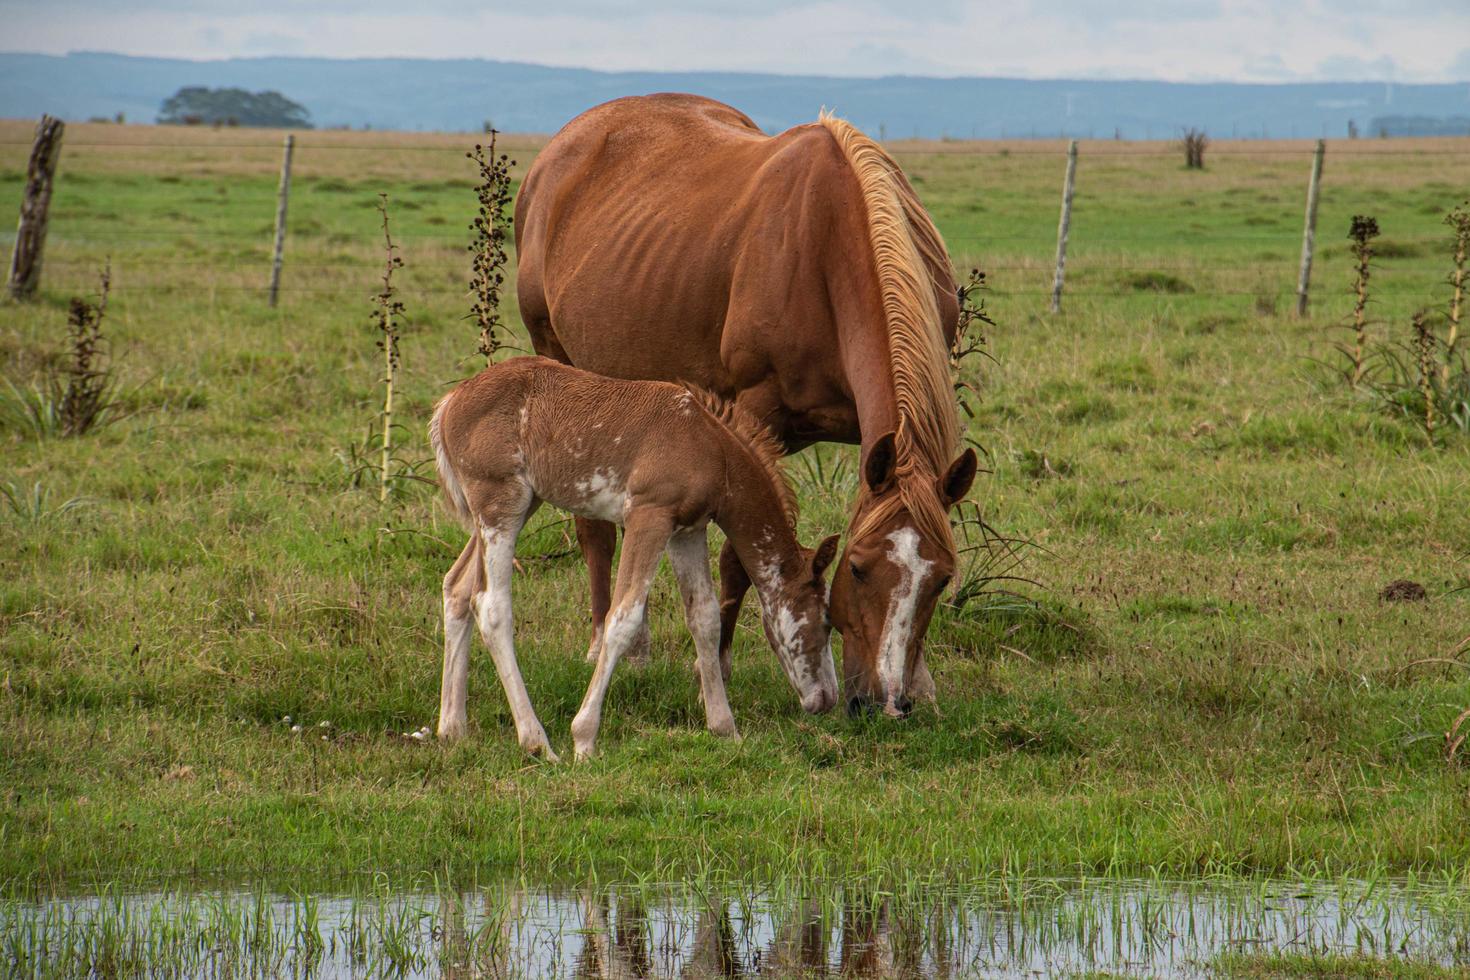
454,495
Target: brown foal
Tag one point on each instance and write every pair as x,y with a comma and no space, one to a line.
663,460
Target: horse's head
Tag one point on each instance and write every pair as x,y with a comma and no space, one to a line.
899,557
799,629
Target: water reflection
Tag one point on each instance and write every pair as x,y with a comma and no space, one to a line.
1001,927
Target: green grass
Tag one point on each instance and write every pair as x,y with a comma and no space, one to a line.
1305,967
1208,682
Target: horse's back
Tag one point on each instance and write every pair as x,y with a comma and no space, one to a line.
659,236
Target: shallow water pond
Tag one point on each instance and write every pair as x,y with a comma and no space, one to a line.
1001,927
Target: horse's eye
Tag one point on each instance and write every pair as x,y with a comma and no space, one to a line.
943,584
857,573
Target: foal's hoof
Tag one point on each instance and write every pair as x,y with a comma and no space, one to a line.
539,747
726,731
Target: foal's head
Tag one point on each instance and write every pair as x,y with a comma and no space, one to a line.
798,627
900,556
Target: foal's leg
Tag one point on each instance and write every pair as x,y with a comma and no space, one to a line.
689,554
644,537
498,535
464,581
597,540
733,585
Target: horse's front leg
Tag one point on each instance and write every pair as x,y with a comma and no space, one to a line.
689,554
644,537
734,583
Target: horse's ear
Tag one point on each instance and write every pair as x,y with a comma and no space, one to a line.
823,556
882,464
957,479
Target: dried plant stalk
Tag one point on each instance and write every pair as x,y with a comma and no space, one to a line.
1364,229
969,339
1459,221
84,399
1424,346
492,229
389,310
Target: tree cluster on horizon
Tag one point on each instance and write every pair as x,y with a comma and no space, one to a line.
199,105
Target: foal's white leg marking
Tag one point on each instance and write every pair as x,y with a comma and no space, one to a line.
645,535
618,634
498,628
457,625
595,647
689,554
458,620
898,628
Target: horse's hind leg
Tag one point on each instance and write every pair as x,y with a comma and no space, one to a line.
498,532
689,554
644,538
464,581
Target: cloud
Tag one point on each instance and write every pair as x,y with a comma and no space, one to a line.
1348,68
1196,40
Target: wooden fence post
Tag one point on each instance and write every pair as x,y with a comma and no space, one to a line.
30,233
281,216
1063,226
1309,234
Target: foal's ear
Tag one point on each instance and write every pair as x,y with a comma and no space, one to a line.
881,465
956,481
823,556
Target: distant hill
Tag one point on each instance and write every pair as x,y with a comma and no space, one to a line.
451,95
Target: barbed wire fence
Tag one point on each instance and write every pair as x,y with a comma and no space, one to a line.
1089,257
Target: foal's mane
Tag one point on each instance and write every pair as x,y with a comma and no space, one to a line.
904,239
754,435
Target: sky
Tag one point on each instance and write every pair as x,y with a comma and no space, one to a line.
1174,40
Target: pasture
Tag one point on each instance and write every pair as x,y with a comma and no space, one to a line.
1202,678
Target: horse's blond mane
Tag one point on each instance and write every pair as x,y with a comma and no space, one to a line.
750,432
903,237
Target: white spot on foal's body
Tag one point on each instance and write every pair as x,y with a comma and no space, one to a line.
898,628
603,496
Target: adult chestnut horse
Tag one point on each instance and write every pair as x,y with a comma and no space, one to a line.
666,237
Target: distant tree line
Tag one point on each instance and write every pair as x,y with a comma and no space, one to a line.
195,105
1420,126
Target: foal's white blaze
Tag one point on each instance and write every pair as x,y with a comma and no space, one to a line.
898,629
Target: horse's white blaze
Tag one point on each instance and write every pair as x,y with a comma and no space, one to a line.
898,628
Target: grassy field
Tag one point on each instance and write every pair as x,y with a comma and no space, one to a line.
1206,682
